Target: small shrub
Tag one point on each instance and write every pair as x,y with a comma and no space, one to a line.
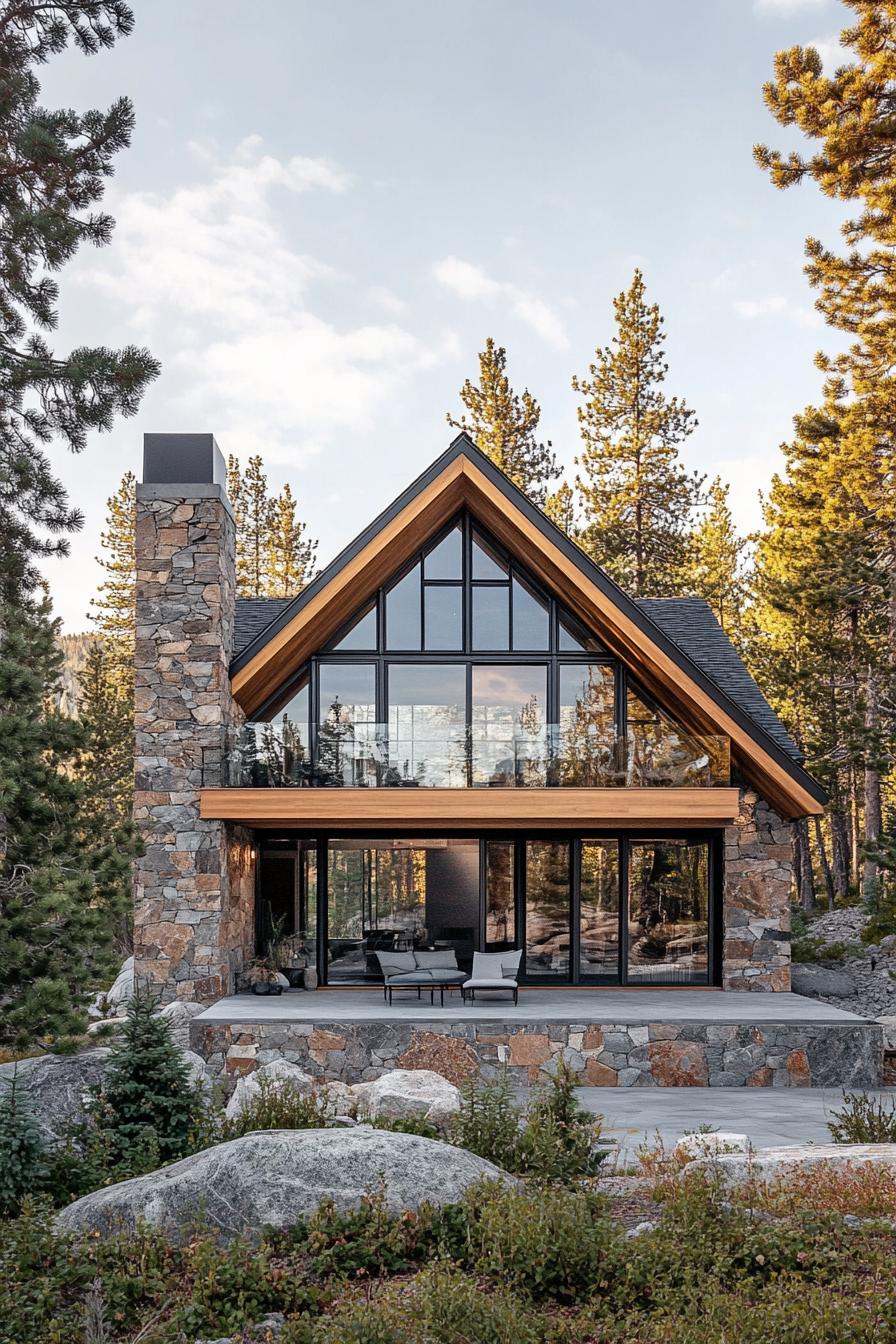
409,1124
556,1243
371,1241
276,1105
22,1151
146,1097
559,1138
488,1122
863,1119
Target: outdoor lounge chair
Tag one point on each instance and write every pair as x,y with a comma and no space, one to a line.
420,970
493,971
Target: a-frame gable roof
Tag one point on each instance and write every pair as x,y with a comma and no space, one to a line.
710,693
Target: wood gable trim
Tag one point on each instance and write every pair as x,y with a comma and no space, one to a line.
459,481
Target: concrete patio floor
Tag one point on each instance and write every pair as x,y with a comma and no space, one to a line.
768,1116
535,1005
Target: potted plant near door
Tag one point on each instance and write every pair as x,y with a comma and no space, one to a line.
264,976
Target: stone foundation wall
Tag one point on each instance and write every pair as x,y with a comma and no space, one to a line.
656,1054
194,892
756,901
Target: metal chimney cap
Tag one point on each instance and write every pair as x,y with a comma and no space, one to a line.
183,459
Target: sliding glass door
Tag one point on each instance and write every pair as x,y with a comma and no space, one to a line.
548,908
621,909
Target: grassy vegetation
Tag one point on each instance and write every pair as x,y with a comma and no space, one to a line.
506,1265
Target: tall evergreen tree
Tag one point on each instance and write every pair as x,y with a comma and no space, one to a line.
64,872
638,499
560,507
504,424
114,607
274,555
849,117
62,879
106,763
53,167
290,554
717,560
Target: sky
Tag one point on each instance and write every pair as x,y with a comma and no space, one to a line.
327,208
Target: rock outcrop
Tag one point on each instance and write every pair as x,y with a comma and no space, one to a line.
274,1178
54,1088
273,1076
797,1160
404,1093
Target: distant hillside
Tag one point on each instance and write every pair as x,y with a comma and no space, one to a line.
75,649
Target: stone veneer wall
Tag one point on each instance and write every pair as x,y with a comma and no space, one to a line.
756,902
194,903
656,1054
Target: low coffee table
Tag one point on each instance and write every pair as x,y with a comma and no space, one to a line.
431,985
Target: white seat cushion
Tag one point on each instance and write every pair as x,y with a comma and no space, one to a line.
503,983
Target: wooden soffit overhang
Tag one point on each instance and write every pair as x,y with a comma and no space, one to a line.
464,478
471,809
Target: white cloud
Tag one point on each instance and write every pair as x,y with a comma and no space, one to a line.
786,6
220,292
384,298
830,51
471,283
774,304
752,308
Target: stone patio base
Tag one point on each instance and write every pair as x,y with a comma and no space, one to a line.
655,1054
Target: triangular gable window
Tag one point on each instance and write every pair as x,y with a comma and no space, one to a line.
574,638
361,635
465,594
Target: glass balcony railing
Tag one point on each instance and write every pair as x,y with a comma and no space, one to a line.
271,755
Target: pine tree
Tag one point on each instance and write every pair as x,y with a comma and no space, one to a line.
274,556
560,507
53,167
504,424
64,879
717,563
289,562
637,497
114,607
849,118
106,762
147,1101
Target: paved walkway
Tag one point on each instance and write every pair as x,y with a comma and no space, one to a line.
535,1005
767,1115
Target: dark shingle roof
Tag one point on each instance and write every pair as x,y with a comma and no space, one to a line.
254,614
689,621
686,620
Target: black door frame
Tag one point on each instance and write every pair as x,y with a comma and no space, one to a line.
574,839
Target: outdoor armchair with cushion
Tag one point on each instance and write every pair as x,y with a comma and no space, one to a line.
419,970
491,971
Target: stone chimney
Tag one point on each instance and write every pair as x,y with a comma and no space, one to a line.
194,904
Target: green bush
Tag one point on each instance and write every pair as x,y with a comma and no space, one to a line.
442,1306
276,1105
554,1243
372,1241
559,1138
556,1140
863,1119
409,1124
22,1151
488,1122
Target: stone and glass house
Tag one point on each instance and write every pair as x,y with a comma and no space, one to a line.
462,733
